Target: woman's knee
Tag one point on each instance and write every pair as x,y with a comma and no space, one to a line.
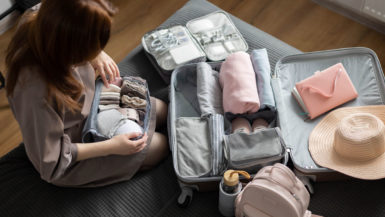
156,152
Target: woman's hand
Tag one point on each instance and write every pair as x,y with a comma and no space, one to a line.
105,66
123,145
120,145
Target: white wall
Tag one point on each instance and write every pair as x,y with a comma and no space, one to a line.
5,5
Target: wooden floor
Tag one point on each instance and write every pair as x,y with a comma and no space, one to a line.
300,23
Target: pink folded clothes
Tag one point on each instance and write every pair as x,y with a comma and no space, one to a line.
237,78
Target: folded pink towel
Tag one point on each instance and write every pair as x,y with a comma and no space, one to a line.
237,78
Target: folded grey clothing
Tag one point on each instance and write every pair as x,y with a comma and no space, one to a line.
112,88
109,102
252,151
133,89
136,79
130,113
108,107
217,132
209,91
261,66
193,147
133,102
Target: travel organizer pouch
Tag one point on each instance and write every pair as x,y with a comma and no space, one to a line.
90,131
324,90
212,37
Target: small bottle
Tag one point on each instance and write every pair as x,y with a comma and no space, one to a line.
229,188
231,180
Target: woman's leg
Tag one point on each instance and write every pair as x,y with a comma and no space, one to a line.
156,152
161,113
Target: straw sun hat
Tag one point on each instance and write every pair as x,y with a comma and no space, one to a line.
351,140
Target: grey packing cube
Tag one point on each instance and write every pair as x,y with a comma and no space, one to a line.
252,151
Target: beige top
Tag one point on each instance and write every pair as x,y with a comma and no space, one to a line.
50,136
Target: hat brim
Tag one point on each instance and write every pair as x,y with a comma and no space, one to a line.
322,151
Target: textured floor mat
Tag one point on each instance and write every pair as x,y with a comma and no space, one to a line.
23,193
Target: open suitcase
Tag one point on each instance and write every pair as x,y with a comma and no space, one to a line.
362,66
365,72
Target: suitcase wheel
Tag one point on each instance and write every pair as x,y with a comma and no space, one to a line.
185,197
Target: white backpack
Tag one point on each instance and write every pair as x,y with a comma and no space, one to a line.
274,192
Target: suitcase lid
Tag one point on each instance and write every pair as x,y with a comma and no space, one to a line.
364,70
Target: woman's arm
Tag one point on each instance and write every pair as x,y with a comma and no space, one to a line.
119,145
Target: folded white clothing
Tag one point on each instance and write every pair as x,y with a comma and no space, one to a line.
111,88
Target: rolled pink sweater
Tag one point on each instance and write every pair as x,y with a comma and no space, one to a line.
237,78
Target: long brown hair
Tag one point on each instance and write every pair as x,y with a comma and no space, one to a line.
61,34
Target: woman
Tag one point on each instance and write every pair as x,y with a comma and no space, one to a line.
51,63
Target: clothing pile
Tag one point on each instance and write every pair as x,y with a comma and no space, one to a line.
122,107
